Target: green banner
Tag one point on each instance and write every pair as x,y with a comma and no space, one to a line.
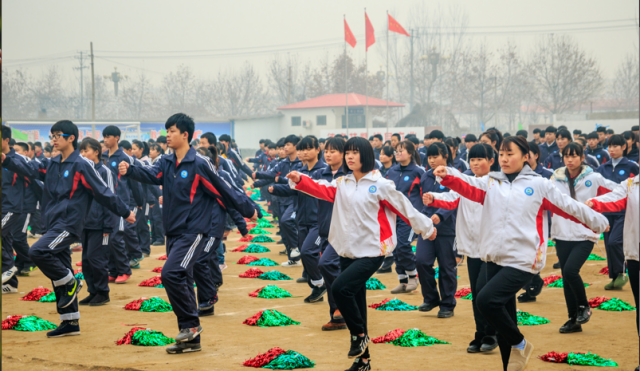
18,135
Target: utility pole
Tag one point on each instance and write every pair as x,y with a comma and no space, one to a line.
411,97
82,67
93,95
289,96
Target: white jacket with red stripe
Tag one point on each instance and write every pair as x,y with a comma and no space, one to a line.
588,184
624,196
363,223
513,230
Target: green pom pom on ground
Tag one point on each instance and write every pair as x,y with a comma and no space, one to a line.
616,305
265,262
375,284
469,296
589,359
396,305
155,304
595,257
257,230
49,298
262,238
273,318
416,338
274,276
33,323
149,338
289,361
254,248
527,319
559,284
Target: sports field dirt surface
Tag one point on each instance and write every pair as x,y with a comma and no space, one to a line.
226,342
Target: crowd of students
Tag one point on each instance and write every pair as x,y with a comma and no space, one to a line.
346,208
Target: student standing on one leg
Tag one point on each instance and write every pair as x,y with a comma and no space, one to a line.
481,157
574,243
71,183
616,170
513,244
442,247
406,175
362,232
95,236
625,197
329,263
190,186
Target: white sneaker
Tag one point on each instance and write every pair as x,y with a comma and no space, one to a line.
292,263
8,289
6,276
295,252
223,267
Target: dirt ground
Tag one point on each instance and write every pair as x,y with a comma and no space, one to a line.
226,342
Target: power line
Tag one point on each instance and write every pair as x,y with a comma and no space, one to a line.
128,65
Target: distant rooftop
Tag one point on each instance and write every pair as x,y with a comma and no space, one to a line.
338,100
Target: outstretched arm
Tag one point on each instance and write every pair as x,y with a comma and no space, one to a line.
89,177
395,201
566,207
468,187
315,188
610,202
143,173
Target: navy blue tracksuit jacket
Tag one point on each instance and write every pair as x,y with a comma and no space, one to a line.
407,180
325,208
131,192
447,225
306,206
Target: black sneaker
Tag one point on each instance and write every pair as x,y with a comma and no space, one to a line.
69,292
427,307
387,263
301,280
526,298
157,243
66,328
359,365
208,304
283,252
188,334
570,327
358,345
206,312
556,265
317,294
489,343
444,313
87,300
386,270
179,348
474,346
536,285
100,299
584,315
280,242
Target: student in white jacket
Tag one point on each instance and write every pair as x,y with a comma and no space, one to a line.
625,197
481,158
513,236
573,241
362,232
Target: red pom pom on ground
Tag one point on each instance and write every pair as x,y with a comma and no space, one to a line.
551,279
127,337
79,264
264,359
10,322
555,357
157,270
595,302
374,306
462,292
247,259
251,321
389,337
163,257
77,271
604,271
255,293
134,305
151,282
251,273
36,294
240,248
246,238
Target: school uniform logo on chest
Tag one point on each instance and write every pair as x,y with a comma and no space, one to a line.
598,155
184,174
528,191
588,183
406,178
66,173
442,187
113,163
621,172
373,189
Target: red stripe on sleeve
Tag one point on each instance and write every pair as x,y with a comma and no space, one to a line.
194,186
387,204
447,205
159,175
209,186
416,181
609,207
602,191
314,189
464,188
547,205
76,180
15,177
42,170
385,228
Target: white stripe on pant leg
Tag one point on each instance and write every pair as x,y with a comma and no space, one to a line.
26,223
209,244
318,240
146,210
58,239
411,236
6,218
121,224
187,258
105,240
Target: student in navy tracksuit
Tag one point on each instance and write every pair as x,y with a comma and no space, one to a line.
232,155
554,160
95,236
329,263
12,207
616,170
113,157
458,162
307,218
264,183
442,247
190,186
406,174
387,159
71,183
288,225
595,149
549,146
157,229
140,152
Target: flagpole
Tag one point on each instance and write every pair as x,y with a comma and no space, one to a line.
366,76
346,90
387,112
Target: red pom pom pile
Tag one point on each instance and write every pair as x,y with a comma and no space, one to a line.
264,359
251,273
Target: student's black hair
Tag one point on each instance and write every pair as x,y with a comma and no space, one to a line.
261,141
396,135
92,143
67,127
183,122
37,144
151,141
162,139
293,139
524,133
482,150
582,141
225,138
362,146
271,145
23,145
210,137
213,154
593,135
6,132
601,129
280,143
221,148
157,148
451,142
519,142
379,136
334,144
506,135
389,152
533,147
630,135
309,142
470,138
111,130
440,149
144,146
572,149
12,142
436,134
125,144
618,140
562,127
635,128
536,131
411,148
610,131
371,138
47,149
493,137
413,139
577,132
322,140
551,129
30,144
564,134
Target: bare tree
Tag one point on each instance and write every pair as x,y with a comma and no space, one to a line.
329,78
625,85
239,93
136,96
17,97
279,73
563,75
178,90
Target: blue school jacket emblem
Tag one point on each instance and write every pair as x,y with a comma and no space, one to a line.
373,189
621,172
184,173
113,163
66,173
598,155
588,183
442,187
528,191
406,178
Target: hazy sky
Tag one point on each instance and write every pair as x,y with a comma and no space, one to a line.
38,34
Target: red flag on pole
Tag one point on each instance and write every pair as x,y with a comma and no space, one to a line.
348,35
394,26
370,36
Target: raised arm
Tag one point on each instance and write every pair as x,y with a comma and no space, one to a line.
472,188
395,201
446,200
566,207
143,173
613,201
20,166
89,177
315,188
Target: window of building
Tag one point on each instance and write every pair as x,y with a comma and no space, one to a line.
296,121
321,120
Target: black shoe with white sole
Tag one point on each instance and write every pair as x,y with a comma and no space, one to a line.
66,328
359,365
358,345
317,294
188,334
179,348
69,292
